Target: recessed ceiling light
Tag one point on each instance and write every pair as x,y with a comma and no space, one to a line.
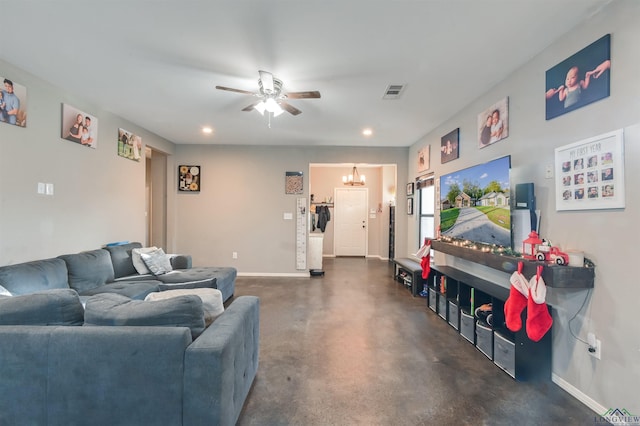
367,132
207,130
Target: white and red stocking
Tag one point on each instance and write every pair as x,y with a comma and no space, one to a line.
425,254
517,300
538,318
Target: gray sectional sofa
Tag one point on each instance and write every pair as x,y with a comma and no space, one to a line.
64,360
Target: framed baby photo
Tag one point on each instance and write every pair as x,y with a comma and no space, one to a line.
79,127
450,146
579,80
590,173
13,102
189,178
493,123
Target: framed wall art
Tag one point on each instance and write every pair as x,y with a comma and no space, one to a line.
493,123
129,145
410,189
449,146
590,173
580,79
13,103
409,206
189,178
423,159
293,183
79,127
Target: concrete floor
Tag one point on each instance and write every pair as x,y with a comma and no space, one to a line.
355,348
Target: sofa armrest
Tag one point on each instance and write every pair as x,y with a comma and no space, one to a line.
221,364
180,261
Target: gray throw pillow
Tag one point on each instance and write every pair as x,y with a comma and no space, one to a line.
157,262
47,307
109,309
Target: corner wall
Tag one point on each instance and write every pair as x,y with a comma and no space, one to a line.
607,237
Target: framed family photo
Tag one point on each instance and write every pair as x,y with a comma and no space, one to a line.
79,127
13,102
423,159
129,145
493,123
590,173
580,79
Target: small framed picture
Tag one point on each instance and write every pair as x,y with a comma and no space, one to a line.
449,146
410,206
410,189
189,178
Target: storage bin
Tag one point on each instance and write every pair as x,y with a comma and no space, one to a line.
433,295
467,326
442,306
484,339
453,314
504,354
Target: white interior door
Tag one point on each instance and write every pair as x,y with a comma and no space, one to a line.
350,222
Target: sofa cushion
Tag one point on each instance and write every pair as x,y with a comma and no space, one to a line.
88,269
204,283
138,263
157,261
29,277
132,289
211,300
122,258
109,309
225,277
48,307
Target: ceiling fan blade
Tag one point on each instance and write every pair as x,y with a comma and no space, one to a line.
267,81
289,108
229,89
303,95
251,107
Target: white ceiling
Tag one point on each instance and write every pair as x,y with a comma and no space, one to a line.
156,63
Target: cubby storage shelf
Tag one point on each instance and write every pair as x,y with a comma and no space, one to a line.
553,275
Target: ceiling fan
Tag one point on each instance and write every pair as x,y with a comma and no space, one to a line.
272,99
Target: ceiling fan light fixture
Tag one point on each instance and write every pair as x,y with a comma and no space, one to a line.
260,107
272,106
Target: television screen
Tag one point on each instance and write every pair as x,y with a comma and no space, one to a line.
474,203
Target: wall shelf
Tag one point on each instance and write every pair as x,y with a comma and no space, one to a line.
553,275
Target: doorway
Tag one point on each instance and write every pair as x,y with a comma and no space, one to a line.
351,222
156,197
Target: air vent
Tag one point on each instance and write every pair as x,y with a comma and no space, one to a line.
394,91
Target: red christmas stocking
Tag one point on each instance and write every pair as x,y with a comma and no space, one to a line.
538,318
517,300
426,266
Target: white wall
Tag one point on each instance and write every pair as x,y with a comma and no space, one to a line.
98,196
608,237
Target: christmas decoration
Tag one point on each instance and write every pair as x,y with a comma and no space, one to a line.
538,318
517,301
425,254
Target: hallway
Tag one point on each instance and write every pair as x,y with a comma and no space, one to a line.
355,348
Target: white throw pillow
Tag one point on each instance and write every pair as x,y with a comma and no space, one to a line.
157,262
137,260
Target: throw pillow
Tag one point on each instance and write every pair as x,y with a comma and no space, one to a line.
211,300
138,263
4,292
47,307
110,309
157,262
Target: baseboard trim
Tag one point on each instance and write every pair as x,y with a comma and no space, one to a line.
579,395
275,274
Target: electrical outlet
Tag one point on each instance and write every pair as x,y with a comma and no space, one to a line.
595,346
234,255
548,172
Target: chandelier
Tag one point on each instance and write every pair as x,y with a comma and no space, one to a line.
354,179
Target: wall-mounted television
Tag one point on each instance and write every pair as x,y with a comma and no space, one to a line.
475,203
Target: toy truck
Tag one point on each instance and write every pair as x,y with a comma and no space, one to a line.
548,253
